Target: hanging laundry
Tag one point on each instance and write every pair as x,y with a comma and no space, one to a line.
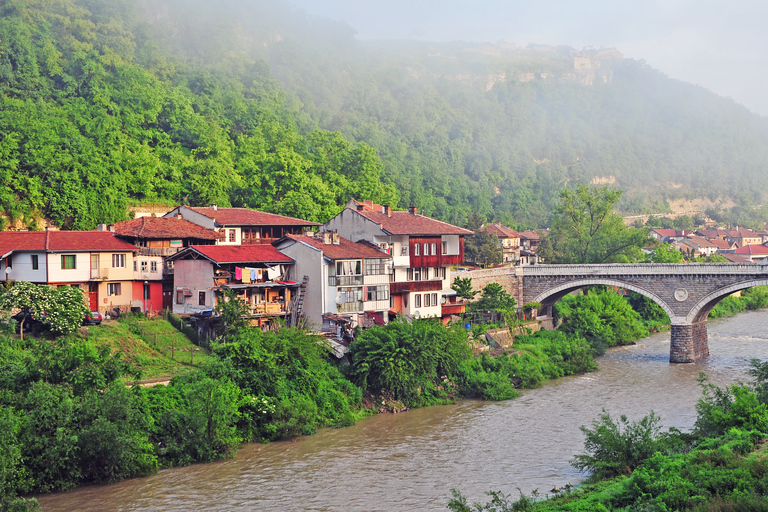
260,273
273,273
238,273
253,274
246,275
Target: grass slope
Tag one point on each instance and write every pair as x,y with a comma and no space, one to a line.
154,348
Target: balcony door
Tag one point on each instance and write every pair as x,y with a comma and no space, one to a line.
94,266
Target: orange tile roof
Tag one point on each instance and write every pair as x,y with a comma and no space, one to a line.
345,249
248,217
163,228
260,253
500,230
406,223
59,241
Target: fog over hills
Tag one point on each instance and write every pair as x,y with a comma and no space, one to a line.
262,105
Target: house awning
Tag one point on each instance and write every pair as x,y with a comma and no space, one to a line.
376,317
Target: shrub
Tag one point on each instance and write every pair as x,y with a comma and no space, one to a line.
617,448
409,360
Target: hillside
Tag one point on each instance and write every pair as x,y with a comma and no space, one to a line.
108,103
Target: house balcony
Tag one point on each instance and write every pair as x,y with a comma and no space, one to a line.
453,309
416,286
351,307
158,251
269,309
345,280
99,273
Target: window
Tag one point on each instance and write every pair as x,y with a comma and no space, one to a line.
232,235
426,249
404,250
405,300
377,293
417,300
147,292
434,249
35,262
118,261
417,274
201,299
409,273
349,272
439,273
434,299
426,300
113,288
179,296
67,261
153,267
445,247
144,266
134,265
374,267
417,250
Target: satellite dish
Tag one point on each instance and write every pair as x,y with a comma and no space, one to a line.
338,300
417,314
443,300
7,270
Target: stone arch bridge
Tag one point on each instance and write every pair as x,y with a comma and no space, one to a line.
686,291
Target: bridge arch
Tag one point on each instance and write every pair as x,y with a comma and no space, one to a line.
701,310
551,296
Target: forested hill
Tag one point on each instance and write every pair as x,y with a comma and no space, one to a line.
106,103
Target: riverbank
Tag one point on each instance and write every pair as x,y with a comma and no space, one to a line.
404,462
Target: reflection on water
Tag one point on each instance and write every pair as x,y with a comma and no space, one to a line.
411,461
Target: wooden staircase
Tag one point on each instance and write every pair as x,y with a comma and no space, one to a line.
298,304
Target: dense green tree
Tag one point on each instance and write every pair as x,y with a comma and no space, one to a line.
494,298
587,230
463,287
666,253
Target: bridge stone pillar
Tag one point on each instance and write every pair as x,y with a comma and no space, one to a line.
689,342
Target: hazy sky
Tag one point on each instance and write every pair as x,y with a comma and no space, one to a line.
721,45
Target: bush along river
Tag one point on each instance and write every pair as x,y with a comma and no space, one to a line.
411,461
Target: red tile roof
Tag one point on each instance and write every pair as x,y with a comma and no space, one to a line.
262,253
406,223
721,244
500,230
164,228
735,258
247,217
712,233
755,249
344,250
59,241
531,235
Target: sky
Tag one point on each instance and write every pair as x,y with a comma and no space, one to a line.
720,45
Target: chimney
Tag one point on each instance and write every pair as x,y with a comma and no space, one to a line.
178,216
214,206
335,239
310,234
413,210
101,227
327,237
388,211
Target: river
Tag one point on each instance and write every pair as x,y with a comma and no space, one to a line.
410,461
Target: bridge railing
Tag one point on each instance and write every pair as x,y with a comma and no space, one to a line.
646,268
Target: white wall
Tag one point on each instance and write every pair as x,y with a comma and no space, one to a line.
21,268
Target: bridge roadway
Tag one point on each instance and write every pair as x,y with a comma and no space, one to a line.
686,291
